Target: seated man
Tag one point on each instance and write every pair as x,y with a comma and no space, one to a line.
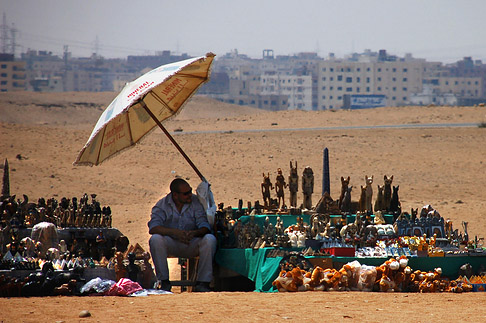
179,228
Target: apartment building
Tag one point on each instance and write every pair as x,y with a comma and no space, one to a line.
12,74
297,88
395,79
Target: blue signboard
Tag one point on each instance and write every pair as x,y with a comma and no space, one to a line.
357,101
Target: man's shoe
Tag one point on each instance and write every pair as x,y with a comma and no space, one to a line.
163,285
202,287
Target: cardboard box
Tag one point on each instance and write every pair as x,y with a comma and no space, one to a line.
341,251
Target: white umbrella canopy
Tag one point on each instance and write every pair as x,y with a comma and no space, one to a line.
142,105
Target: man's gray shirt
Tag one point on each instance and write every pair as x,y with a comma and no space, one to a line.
191,217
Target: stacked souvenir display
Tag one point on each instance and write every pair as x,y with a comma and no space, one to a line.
47,247
393,275
379,230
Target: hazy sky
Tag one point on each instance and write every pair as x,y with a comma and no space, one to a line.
438,30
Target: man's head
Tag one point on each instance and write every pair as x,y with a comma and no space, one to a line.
181,191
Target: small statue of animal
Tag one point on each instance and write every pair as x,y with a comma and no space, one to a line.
387,193
395,205
369,193
344,188
380,199
362,199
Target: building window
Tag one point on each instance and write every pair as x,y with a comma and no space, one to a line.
404,98
340,88
394,79
348,70
4,83
405,89
323,88
394,70
379,88
447,82
358,80
349,79
379,69
340,98
331,69
340,78
331,79
394,98
358,69
367,80
405,70
357,89
324,78
4,75
368,69
323,69
367,89
405,79
379,79
349,89
4,65
330,97
394,89
323,97
331,88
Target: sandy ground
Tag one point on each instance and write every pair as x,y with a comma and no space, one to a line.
444,167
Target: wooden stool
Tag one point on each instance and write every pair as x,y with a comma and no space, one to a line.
188,274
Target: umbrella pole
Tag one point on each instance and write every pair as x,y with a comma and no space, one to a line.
172,140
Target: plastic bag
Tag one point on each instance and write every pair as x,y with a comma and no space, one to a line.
355,270
97,285
124,287
367,278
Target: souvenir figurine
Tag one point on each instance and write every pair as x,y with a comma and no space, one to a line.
120,268
266,187
308,187
132,268
293,185
280,185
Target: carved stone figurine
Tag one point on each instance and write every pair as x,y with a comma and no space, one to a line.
147,271
120,268
380,199
369,193
293,184
280,185
387,192
132,267
308,186
266,187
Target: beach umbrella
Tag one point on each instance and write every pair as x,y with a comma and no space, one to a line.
144,104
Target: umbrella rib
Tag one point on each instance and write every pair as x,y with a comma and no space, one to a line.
129,129
101,145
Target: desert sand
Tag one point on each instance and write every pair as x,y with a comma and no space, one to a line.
232,146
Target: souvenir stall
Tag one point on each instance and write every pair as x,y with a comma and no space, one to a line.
269,243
